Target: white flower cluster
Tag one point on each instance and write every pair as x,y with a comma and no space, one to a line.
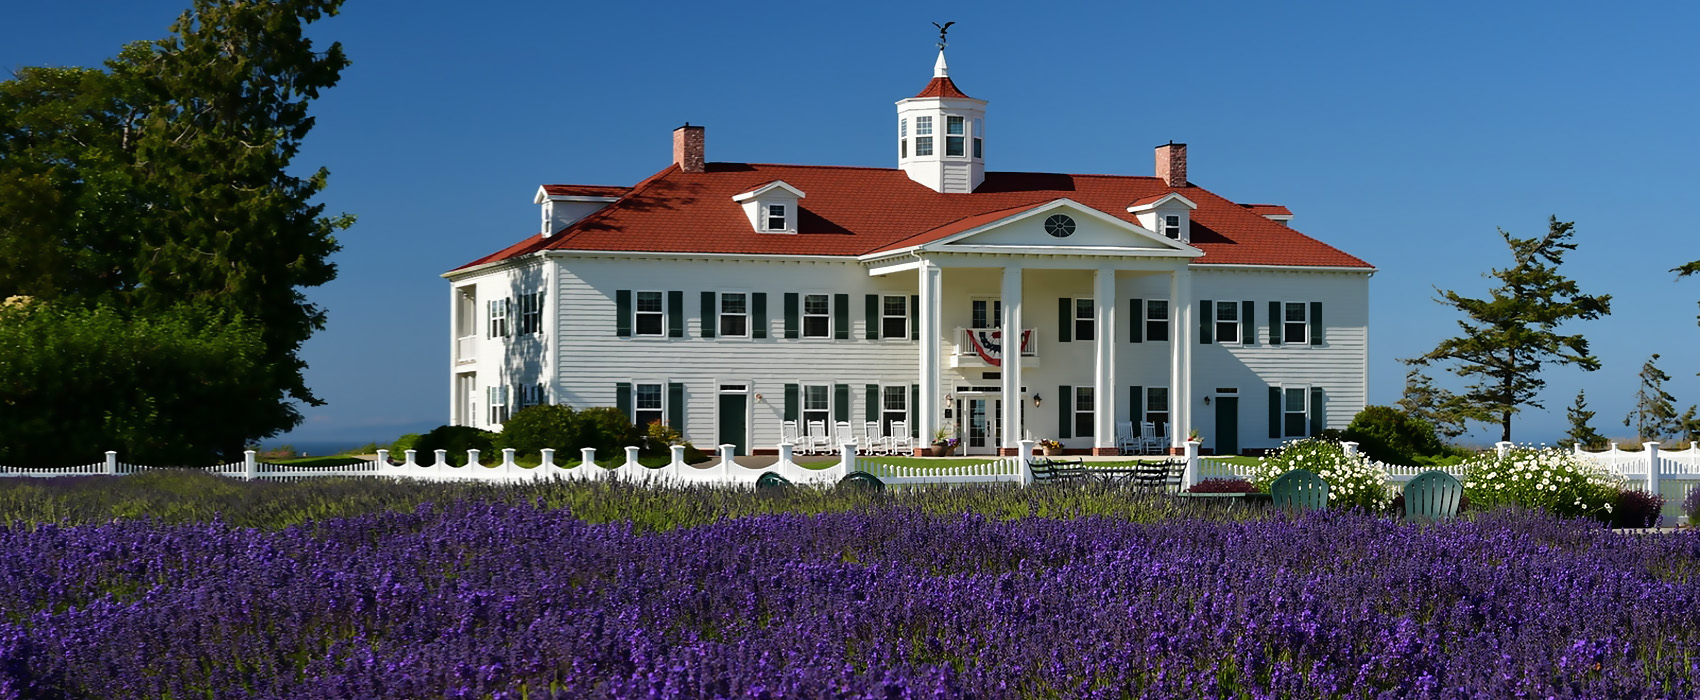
1541,477
1351,478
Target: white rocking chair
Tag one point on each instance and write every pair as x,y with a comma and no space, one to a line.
899,441
817,441
1126,442
873,442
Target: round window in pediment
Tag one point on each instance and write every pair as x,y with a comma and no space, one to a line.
1059,225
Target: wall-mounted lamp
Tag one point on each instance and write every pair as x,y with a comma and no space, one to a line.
948,397
758,398
1037,399
1207,401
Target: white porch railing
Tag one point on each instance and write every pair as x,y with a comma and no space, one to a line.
465,349
983,347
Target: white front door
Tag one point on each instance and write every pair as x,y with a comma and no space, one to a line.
979,424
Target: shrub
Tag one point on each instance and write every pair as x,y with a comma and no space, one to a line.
1691,507
399,448
1388,435
535,428
456,439
1547,478
659,438
1635,509
1224,486
1352,481
606,429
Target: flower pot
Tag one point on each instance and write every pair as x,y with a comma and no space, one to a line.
940,450
1050,451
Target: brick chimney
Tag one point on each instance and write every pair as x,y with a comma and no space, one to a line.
688,148
1171,163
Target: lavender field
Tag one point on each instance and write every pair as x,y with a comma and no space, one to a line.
486,599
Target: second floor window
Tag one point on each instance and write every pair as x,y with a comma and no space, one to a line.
894,317
817,316
499,318
1227,322
1295,323
1085,319
1156,319
734,315
649,314
530,313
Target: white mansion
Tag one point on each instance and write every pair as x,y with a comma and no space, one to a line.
727,298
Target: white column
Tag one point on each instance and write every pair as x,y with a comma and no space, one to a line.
927,412
1180,356
1104,376
1010,297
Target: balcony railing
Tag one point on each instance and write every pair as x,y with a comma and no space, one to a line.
464,352
983,347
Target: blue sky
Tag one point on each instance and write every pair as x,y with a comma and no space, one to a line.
1404,134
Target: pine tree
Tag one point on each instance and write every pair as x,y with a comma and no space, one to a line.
1509,337
1688,426
1438,407
1654,417
1581,432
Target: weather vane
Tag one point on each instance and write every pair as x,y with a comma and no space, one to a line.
942,30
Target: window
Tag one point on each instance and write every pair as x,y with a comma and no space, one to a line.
528,395
894,407
988,313
1295,423
498,400
499,317
817,313
734,315
979,133
547,206
1084,403
646,404
1295,325
1157,408
903,138
953,135
1085,324
1172,226
530,313
1156,319
817,406
923,136
1227,322
649,314
894,317
776,217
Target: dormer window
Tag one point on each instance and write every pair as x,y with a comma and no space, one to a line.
954,136
548,213
1172,226
923,136
1167,215
772,208
776,217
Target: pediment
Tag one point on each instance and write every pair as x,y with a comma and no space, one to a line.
1061,226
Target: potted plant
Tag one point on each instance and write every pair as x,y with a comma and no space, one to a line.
1193,436
943,443
1050,448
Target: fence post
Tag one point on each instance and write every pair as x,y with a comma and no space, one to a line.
786,454
412,458
847,457
1349,447
631,457
472,458
548,459
1026,457
678,456
383,458
112,462
508,458
1652,452
1191,476
1503,449
442,459
726,456
250,466
587,457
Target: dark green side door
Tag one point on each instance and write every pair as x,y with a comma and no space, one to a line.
733,410
1227,425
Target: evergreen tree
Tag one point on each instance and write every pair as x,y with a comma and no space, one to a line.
1581,432
1438,407
1688,426
165,179
1654,417
1509,337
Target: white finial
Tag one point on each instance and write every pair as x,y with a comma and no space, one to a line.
940,69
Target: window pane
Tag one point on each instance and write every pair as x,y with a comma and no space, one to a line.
953,125
902,128
649,324
1296,400
923,145
1157,399
816,304
1083,403
896,398
923,126
815,398
733,326
1156,319
649,396
732,303
1227,311
894,327
649,301
953,145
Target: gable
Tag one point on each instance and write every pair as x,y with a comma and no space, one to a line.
1091,229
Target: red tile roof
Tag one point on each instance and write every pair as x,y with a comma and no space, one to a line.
941,87
855,211
585,191
1268,209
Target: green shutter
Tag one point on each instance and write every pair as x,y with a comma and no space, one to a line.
623,399
914,317
1275,324
676,406
1317,421
1065,412
791,399
1136,407
841,316
1248,323
1316,323
623,313
1275,412
1136,329
1206,322
675,314
1065,320
758,305
840,403
708,315
873,401
872,311
914,410
791,312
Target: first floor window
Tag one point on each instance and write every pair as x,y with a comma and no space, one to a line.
817,407
530,313
499,318
894,406
649,314
894,317
1157,408
1227,322
498,402
1295,422
1156,319
1296,322
1084,403
1085,316
734,315
817,316
646,404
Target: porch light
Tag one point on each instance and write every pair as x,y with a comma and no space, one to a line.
1037,399
1207,401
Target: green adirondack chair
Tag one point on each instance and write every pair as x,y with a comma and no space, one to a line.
1299,490
1432,497
770,482
862,481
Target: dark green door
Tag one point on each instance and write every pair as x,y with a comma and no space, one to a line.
733,409
1227,425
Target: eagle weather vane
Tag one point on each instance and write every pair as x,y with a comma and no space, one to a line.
942,29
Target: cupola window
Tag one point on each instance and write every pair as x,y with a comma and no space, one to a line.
979,145
923,136
903,138
953,135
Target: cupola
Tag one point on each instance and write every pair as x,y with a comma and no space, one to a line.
941,135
